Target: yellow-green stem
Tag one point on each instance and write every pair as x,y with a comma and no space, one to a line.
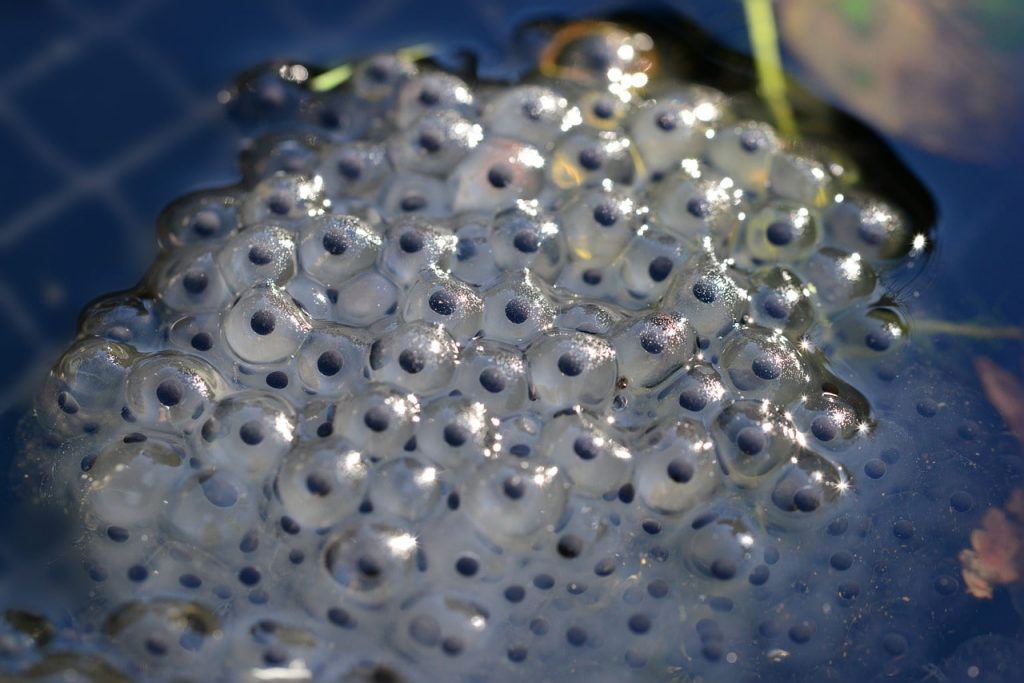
958,329
764,42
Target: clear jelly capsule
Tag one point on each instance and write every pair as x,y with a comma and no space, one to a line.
124,318
780,231
163,633
263,645
407,488
866,225
829,422
527,237
744,152
598,53
722,545
676,467
798,178
86,381
334,248
780,301
588,531
377,418
496,175
433,91
418,356
287,152
518,308
366,298
517,434
268,92
193,283
371,562
415,194
322,483
530,113
434,143
340,115
592,282
330,359
601,110
652,348
752,439
589,158
695,203
454,432
709,296
763,364
247,434
129,480
379,77
445,626
211,510
587,452
508,500
205,217
283,199
674,127
264,325
696,392
875,330
572,368
839,278
316,300
591,318
648,267
414,244
598,223
474,259
354,169
441,299
315,419
172,389
264,253
808,484
493,374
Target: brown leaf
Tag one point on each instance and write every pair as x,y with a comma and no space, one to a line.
1005,392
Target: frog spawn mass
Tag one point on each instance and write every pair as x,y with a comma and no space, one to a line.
547,381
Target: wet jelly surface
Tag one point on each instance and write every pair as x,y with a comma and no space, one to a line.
583,377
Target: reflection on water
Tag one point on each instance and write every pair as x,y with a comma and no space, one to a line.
939,74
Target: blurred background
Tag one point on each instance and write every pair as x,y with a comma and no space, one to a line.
109,110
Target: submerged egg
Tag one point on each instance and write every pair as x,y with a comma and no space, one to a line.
491,382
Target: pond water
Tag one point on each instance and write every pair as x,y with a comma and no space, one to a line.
108,110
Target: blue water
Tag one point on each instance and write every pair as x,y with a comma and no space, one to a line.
108,110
